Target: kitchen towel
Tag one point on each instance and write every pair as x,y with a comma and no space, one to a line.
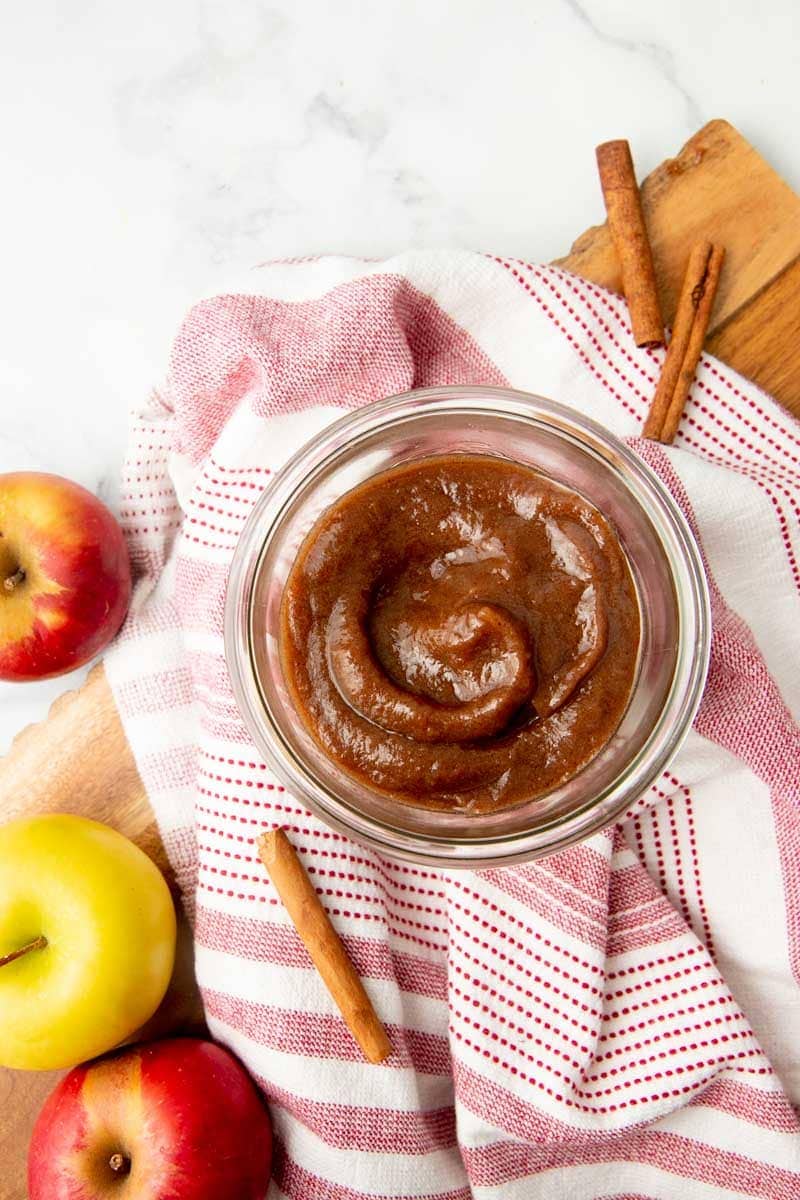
620,1019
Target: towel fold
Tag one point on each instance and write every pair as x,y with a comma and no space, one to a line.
620,1019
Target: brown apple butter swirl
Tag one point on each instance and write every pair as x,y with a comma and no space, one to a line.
460,632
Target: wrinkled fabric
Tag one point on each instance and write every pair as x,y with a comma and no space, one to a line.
620,1019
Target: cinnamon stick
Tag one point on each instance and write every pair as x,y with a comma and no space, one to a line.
702,317
323,944
629,234
686,344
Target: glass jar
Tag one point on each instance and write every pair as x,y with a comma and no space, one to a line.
575,451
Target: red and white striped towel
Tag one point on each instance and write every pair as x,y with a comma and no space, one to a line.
622,1019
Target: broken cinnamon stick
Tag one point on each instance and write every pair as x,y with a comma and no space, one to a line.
686,344
323,944
629,234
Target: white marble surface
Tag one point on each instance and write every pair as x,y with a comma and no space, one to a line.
149,148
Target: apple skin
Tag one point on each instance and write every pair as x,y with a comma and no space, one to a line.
67,553
183,1114
108,918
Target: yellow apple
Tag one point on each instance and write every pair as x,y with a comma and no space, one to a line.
87,940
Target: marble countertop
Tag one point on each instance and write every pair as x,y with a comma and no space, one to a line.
149,150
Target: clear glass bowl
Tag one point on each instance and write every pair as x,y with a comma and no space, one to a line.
665,563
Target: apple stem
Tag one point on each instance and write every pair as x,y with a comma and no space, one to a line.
12,581
38,943
120,1164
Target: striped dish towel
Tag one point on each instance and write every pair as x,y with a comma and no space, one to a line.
621,1019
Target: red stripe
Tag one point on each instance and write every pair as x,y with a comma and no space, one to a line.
585,358
211,671
352,849
581,867
770,1110
690,1010
758,467
324,1036
654,816
639,915
346,903
783,525
547,1143
743,711
566,1096
274,942
502,1162
567,1006
788,427
647,913
276,811
629,934
546,277
503,1110
734,461
157,616
231,528
385,887
200,596
583,289
366,1127
736,642
629,888
683,995
166,769
205,506
636,822
707,935
706,1029
718,1047
365,893
577,1000
465,1002
251,469
181,848
582,293
577,913
557,1028
677,861
512,886
364,339
299,1184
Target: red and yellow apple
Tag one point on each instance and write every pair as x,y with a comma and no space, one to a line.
65,579
172,1120
87,940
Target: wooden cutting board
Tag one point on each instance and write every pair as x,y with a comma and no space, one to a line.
717,187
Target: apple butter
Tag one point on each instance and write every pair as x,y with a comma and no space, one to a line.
460,632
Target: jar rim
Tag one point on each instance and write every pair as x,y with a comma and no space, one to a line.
643,488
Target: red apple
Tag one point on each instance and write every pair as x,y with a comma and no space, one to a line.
172,1120
65,578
